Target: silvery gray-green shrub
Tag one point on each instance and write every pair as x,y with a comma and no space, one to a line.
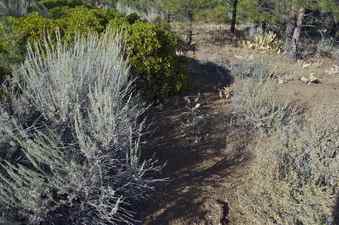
20,7
70,136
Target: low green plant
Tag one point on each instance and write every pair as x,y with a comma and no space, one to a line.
132,18
9,50
33,28
151,51
83,20
215,15
50,4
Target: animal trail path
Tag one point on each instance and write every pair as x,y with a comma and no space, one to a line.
204,167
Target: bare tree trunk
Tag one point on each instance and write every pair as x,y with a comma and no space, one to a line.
189,37
291,23
297,33
293,33
234,15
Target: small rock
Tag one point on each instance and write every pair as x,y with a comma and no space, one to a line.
313,79
334,70
238,57
226,93
281,81
306,65
160,106
305,80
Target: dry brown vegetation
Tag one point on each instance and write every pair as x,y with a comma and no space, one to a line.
294,176
267,155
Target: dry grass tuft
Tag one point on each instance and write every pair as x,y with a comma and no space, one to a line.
256,100
294,177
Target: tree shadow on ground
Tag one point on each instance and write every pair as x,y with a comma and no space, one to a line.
169,137
208,77
194,170
193,167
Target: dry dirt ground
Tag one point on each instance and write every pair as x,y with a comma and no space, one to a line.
206,163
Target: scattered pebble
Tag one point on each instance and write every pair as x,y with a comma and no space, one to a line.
306,65
314,79
311,80
281,81
226,92
334,70
304,79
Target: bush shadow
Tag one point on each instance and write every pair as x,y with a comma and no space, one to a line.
336,211
207,77
194,168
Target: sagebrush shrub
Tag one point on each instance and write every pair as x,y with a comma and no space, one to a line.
293,178
256,100
70,141
326,46
251,69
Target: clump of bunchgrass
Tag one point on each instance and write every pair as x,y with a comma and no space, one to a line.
256,100
265,41
251,69
326,47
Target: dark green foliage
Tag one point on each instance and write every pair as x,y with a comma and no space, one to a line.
132,18
151,51
9,50
4,71
83,20
69,21
50,4
58,12
4,74
32,28
58,8
214,14
150,48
